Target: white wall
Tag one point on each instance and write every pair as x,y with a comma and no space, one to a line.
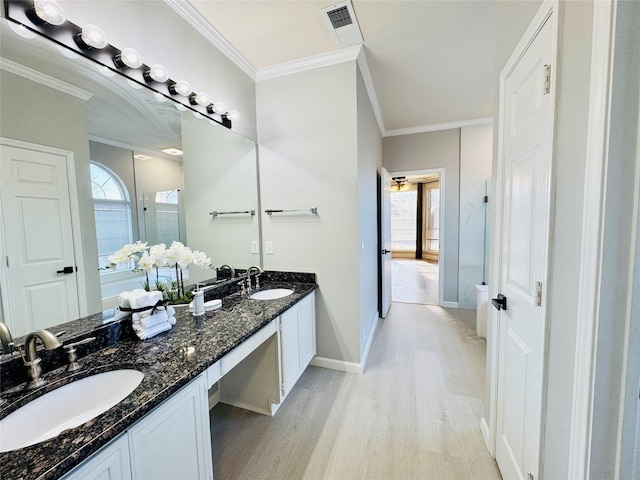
308,157
162,36
475,167
369,163
422,151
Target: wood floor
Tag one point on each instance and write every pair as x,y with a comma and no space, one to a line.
414,281
413,414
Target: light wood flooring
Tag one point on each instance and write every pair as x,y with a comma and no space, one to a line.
414,281
414,413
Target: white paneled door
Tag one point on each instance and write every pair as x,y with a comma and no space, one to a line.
38,240
385,241
527,117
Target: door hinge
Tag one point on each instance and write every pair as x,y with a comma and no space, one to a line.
538,294
546,79
7,260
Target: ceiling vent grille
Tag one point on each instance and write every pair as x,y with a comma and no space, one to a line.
342,23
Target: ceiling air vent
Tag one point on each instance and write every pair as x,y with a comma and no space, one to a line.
342,23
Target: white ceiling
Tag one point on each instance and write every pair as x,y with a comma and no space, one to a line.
431,62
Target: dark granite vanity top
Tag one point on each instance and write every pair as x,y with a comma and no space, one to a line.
163,360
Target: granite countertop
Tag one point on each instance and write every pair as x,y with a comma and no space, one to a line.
166,367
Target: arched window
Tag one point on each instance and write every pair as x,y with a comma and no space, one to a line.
112,210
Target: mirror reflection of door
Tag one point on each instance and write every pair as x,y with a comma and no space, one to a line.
415,238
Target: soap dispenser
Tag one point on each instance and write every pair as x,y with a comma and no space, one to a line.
198,303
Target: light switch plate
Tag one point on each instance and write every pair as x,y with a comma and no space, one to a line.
268,247
254,247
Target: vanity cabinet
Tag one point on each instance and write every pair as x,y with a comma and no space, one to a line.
297,342
260,376
173,441
110,463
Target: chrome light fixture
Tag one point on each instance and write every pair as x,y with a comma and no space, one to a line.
156,73
92,36
128,58
48,12
180,88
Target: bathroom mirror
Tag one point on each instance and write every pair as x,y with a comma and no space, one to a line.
125,131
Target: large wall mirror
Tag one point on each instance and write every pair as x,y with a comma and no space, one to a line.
142,168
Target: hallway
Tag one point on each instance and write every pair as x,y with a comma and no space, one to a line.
414,413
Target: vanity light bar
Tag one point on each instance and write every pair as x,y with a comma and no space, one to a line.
47,18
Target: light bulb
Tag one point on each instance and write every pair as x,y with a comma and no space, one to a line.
181,88
49,11
156,73
233,115
93,36
159,97
201,99
217,107
128,57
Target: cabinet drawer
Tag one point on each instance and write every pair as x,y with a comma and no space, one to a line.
213,374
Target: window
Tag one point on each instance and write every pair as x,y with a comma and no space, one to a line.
403,220
432,213
112,210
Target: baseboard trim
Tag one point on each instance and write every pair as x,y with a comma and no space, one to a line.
365,354
484,428
339,365
449,304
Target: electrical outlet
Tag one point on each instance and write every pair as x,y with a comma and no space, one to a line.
254,247
268,247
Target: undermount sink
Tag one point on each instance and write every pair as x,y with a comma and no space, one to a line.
66,407
271,294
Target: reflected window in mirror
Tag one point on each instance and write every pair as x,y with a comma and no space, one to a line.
112,209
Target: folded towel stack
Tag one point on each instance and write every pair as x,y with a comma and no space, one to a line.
149,317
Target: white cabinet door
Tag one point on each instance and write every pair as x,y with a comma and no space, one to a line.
307,330
289,348
110,463
297,341
173,441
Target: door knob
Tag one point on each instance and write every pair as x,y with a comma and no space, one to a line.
500,303
66,270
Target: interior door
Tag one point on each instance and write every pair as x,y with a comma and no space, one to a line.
40,260
385,241
526,161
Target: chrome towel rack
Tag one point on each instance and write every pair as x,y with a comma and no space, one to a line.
215,213
312,210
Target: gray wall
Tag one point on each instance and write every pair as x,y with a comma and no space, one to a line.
307,136
44,116
369,163
422,151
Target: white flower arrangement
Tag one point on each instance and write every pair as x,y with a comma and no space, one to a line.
177,255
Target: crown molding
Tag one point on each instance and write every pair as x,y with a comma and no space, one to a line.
197,21
309,63
439,126
371,91
46,80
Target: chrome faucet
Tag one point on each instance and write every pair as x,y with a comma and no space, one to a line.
230,268
31,359
253,268
6,339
